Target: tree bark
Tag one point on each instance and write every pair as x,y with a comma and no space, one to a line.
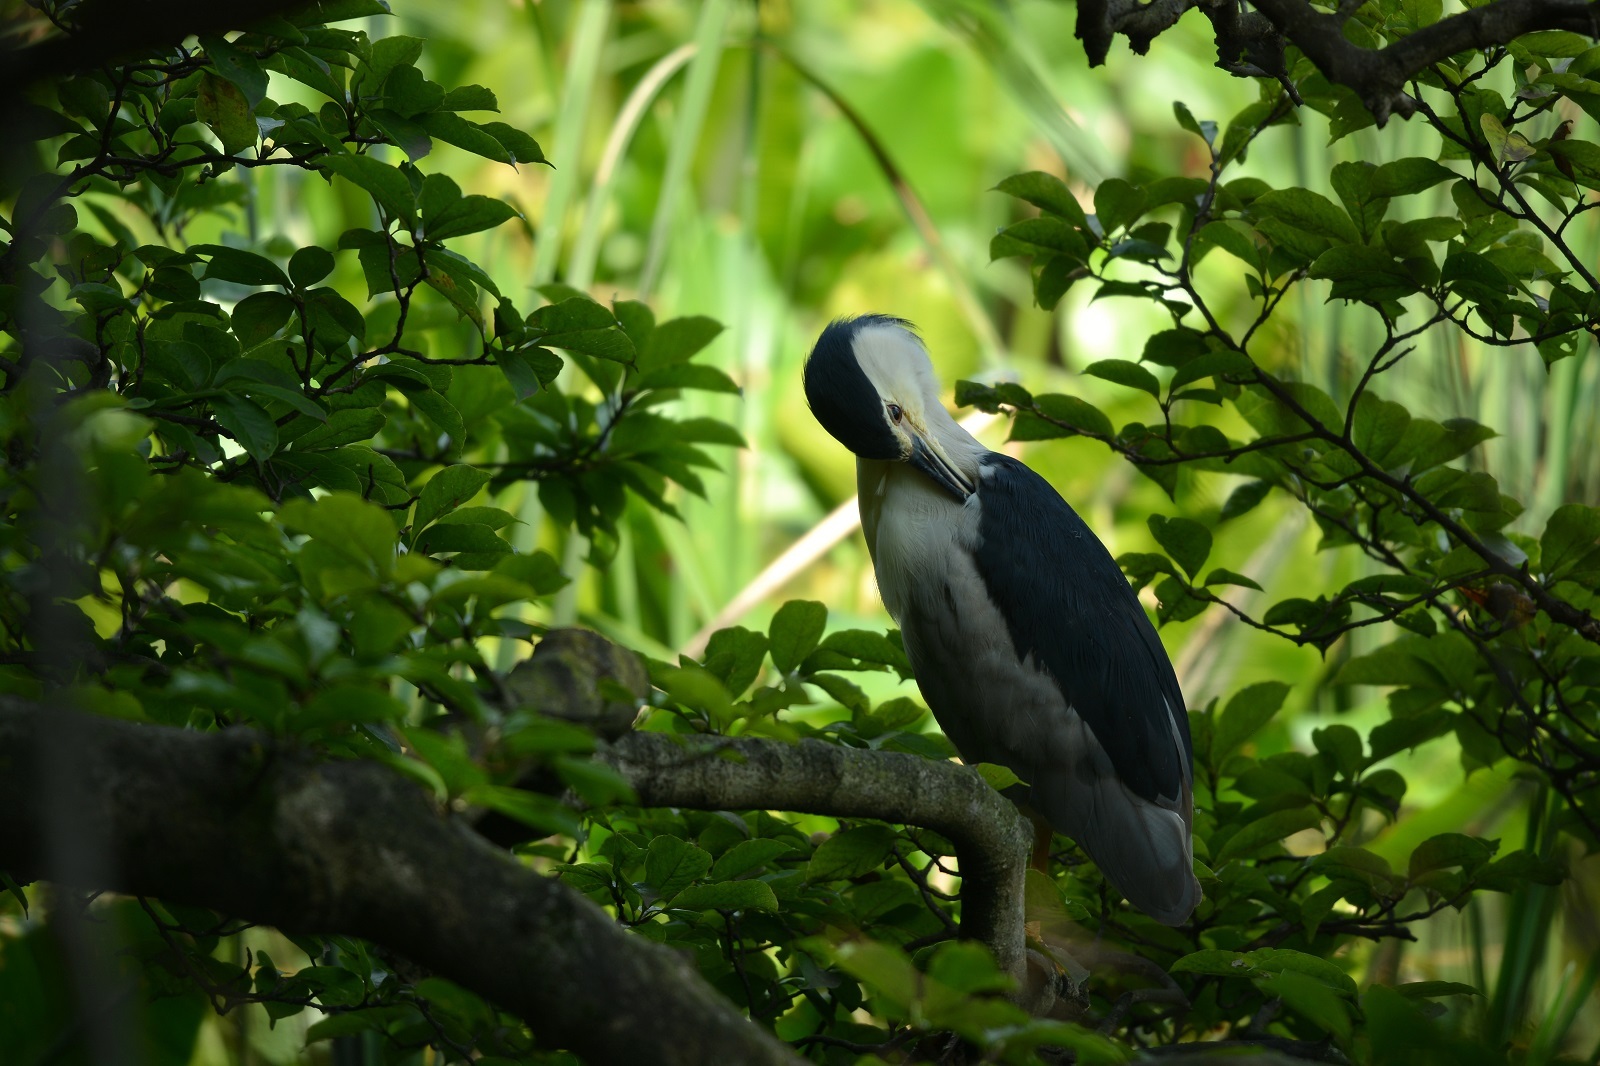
246,825
992,839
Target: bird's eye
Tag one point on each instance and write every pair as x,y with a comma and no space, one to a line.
894,413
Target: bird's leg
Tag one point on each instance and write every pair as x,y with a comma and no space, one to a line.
1043,834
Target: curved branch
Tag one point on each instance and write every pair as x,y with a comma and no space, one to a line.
992,839
241,823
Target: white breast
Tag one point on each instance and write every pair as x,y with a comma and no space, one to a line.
914,529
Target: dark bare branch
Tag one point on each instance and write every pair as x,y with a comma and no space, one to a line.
1380,75
1252,43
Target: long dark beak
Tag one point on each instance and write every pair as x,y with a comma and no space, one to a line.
930,459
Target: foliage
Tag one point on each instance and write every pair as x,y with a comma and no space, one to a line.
266,482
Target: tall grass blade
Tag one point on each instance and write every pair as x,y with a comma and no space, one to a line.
685,135
583,71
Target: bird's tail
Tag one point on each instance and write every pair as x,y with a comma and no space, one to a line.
1142,846
1145,851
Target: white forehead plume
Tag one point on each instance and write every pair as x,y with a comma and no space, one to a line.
897,364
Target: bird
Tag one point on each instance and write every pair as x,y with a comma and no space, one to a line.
1028,644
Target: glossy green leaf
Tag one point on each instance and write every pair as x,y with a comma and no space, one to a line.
671,864
1187,541
851,853
796,629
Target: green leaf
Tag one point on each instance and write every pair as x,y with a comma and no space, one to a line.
16,892
310,265
1308,211
386,184
248,423
468,136
1244,499
409,94
483,544
1215,962
671,864
847,694
1250,708
897,713
676,341
239,266
748,855
1379,426
580,325
851,853
1205,130
438,410
728,896
688,376
868,646
1569,548
1268,829
470,98
1448,850
529,371
1361,273
1434,989
884,969
796,629
258,316
1343,862
1219,576
996,776
1042,235
351,704
1342,745
1278,960
1126,373
695,687
444,492
1405,177
1581,157
352,1023
521,147
1046,192
469,214
389,54
1353,182
1117,203
736,656
1187,541
347,524
1067,415
1399,734
227,112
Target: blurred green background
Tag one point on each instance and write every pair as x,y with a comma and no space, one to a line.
777,165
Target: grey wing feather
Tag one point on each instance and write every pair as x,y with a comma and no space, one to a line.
1126,792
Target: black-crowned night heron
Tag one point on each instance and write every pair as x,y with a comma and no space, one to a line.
1029,646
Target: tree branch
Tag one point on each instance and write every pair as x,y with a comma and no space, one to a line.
1251,46
1379,75
992,839
241,823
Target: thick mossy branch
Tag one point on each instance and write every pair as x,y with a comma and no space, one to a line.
1248,46
991,838
236,822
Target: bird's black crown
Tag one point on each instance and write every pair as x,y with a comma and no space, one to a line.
844,401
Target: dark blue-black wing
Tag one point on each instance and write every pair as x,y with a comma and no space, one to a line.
1067,604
